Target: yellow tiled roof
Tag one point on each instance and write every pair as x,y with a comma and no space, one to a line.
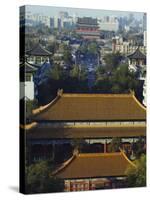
92,107
94,165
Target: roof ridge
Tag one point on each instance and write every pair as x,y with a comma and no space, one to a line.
95,95
98,154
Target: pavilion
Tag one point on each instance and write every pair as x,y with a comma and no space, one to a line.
93,118
38,55
137,61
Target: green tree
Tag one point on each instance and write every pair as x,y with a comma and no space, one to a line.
103,85
92,48
39,180
53,47
100,71
30,105
139,147
78,72
136,177
112,60
67,56
66,50
74,73
56,72
83,73
123,80
116,89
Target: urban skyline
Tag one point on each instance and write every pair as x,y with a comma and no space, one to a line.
80,12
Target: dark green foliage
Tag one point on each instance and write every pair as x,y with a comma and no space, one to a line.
93,48
100,71
39,180
139,147
121,80
30,105
112,60
89,48
71,81
67,57
136,177
53,47
112,78
103,85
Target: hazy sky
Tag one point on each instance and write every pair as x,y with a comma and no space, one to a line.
53,11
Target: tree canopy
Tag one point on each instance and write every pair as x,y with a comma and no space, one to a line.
112,60
136,177
121,80
39,180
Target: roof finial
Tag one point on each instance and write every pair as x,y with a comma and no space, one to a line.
60,92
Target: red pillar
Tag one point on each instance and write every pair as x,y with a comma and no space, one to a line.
105,146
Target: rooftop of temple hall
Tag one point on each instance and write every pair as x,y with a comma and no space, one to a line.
94,165
91,107
38,50
137,55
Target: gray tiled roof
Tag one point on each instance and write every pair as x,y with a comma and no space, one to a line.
38,50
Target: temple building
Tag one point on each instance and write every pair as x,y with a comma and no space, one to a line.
90,119
26,81
137,62
38,55
88,28
91,171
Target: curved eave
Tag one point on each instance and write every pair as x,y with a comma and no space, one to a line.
139,104
42,109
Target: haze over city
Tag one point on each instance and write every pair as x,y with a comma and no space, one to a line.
80,12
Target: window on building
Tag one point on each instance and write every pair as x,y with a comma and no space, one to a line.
38,60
